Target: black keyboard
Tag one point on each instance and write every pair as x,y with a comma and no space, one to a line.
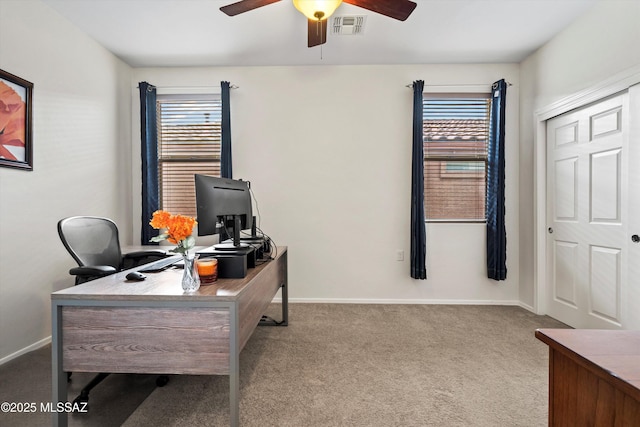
161,264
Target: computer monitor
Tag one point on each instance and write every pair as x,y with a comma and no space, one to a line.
223,203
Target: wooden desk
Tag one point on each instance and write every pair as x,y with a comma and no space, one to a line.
152,327
594,377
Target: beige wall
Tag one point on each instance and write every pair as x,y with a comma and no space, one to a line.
603,42
328,152
81,119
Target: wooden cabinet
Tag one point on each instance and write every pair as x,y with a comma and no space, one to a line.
594,377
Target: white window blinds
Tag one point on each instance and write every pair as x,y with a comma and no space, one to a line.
456,131
189,142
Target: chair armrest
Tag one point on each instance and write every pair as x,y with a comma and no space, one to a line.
93,270
157,253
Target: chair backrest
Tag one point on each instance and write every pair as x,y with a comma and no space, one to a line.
91,240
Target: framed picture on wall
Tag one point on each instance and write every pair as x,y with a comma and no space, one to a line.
16,146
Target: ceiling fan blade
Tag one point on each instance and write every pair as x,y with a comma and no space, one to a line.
317,32
397,9
245,6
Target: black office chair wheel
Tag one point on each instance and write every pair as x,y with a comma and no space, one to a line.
162,380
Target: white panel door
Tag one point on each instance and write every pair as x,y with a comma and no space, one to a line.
632,291
588,215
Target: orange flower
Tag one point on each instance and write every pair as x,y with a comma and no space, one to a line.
160,219
178,229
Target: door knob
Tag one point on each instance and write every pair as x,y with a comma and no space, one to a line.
635,238
550,230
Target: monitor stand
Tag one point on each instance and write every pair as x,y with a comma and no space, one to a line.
229,246
234,257
231,263
254,238
234,245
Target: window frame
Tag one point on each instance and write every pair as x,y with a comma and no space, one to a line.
190,158
444,159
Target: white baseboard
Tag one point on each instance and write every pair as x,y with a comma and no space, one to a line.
25,350
399,301
527,307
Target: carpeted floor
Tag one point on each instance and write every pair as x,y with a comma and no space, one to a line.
338,365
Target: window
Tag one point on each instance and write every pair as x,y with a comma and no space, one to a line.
189,142
455,136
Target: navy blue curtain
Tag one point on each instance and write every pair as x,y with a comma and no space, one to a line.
225,156
149,151
496,230
418,232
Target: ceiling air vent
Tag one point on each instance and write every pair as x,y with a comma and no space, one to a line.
348,25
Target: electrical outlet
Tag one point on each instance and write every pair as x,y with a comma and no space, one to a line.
399,255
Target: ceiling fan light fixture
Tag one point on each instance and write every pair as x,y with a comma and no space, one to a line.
317,10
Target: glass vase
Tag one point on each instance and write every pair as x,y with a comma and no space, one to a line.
190,277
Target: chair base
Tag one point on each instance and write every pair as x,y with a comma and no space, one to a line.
83,397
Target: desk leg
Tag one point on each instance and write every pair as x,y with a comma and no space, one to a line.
285,291
284,288
59,377
234,398
285,303
234,369
268,321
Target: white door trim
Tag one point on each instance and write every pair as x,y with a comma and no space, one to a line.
610,86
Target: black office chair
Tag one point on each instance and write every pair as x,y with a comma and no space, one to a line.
94,243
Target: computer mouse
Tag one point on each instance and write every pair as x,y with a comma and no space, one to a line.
136,275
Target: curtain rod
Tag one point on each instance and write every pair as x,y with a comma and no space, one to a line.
410,85
194,87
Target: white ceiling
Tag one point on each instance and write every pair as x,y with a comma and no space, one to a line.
155,33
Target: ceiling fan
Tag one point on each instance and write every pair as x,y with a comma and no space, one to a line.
317,12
